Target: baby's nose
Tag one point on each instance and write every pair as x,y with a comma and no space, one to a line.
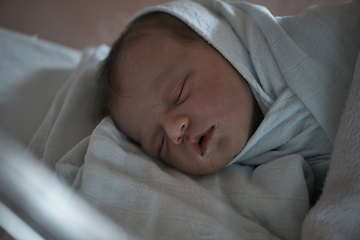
175,127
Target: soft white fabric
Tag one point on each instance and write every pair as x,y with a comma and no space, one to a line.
337,214
32,71
71,116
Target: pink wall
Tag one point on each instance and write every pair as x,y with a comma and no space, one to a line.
80,24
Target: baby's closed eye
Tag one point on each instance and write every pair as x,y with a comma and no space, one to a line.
181,92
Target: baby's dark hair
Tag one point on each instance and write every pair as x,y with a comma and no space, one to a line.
107,76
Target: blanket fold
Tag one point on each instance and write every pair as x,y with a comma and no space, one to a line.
71,115
336,214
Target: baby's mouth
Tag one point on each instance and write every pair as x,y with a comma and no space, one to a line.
200,143
201,140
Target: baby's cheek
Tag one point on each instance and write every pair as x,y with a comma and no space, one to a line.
229,146
173,154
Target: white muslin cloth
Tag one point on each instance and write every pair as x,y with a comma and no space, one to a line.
337,214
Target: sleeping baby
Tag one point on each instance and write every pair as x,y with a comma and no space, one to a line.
179,98
201,89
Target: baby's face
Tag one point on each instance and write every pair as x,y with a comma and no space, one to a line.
184,103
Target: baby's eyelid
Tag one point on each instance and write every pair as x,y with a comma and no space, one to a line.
180,93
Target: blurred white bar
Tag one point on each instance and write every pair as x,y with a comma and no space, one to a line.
38,197
16,227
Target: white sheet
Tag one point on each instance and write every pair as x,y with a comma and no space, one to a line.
32,71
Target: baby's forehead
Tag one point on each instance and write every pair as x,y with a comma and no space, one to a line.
162,23
142,46
135,40
144,25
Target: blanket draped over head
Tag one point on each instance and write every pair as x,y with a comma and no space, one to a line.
299,68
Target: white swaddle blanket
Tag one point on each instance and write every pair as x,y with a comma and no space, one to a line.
152,200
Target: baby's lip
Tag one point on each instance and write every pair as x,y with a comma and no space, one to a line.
201,147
